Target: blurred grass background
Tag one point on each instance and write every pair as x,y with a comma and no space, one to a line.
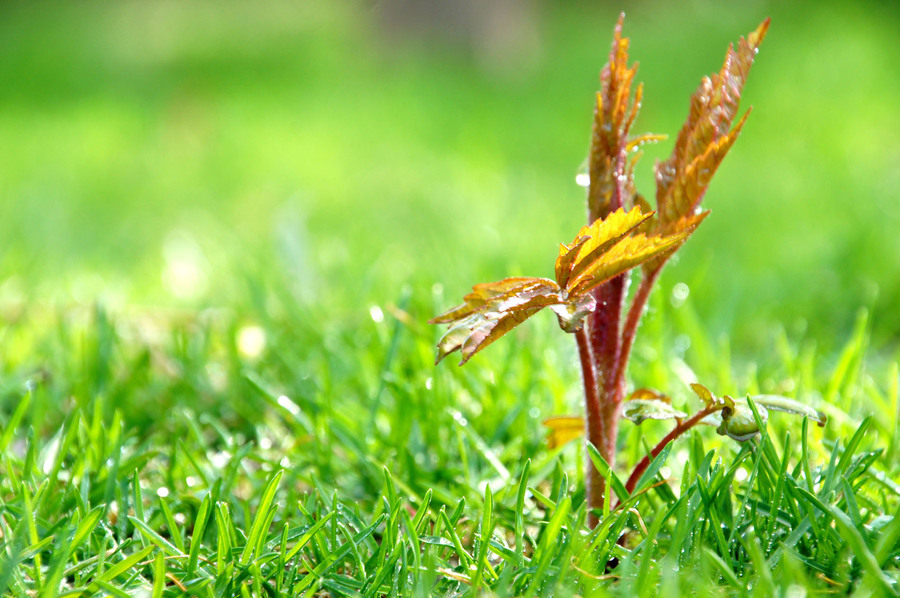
167,153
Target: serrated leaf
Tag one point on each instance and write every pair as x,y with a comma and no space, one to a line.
638,410
610,185
786,405
623,256
706,136
482,294
491,310
563,428
483,336
595,240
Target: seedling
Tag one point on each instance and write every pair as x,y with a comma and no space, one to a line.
624,238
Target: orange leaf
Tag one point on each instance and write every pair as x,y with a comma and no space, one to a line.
482,294
610,185
491,310
707,135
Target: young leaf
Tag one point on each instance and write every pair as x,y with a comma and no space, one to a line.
599,252
593,241
638,410
623,256
490,311
611,187
706,136
705,395
485,294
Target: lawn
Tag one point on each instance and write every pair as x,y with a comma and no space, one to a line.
223,230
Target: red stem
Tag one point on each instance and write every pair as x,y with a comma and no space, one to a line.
594,425
680,429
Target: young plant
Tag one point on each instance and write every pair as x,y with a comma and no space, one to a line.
592,272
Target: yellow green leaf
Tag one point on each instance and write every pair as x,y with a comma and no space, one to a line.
786,405
705,395
595,240
624,255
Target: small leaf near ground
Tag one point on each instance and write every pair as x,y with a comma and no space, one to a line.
638,410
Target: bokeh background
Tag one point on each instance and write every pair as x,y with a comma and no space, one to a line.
166,153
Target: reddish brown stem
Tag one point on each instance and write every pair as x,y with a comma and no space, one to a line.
680,429
593,423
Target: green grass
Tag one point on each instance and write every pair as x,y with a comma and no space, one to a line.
180,182
182,464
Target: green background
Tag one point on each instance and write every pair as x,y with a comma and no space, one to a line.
165,153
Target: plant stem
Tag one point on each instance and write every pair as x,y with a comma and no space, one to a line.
680,429
593,422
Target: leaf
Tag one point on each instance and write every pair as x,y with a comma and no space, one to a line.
705,395
638,410
611,187
490,311
623,256
786,405
599,252
572,313
563,428
706,136
481,295
593,241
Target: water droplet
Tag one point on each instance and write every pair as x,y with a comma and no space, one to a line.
162,492
583,177
376,314
680,294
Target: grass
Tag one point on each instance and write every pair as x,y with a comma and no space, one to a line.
215,382
192,464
